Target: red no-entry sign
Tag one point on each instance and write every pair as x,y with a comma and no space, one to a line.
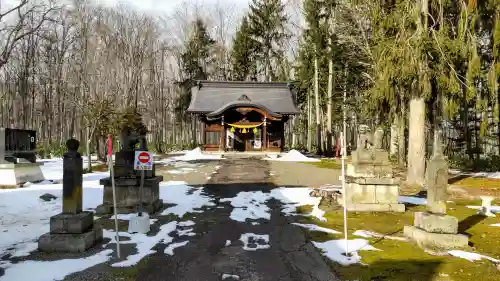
143,160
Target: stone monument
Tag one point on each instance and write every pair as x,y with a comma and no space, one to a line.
434,228
370,185
18,157
127,180
73,230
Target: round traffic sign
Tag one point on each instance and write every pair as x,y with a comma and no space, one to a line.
143,157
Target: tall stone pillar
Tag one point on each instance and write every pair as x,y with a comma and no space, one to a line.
72,230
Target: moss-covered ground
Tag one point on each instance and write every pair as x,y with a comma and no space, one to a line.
399,260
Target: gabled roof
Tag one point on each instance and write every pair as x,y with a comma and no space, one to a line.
210,96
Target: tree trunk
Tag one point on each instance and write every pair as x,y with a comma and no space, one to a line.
317,111
416,149
329,148
309,122
402,136
393,146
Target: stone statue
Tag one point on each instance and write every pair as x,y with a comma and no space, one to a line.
437,179
363,137
378,138
129,139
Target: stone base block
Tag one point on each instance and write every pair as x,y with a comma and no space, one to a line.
72,243
18,174
436,223
358,193
386,207
435,240
71,223
150,208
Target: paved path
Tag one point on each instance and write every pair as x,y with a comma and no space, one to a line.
206,257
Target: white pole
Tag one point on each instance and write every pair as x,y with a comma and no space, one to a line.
344,154
111,175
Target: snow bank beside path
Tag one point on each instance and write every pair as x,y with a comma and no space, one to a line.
335,250
196,154
489,175
293,156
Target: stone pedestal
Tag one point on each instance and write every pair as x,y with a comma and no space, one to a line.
127,184
20,173
71,233
127,195
370,186
436,231
72,230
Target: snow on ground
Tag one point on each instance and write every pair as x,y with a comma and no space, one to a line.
226,276
52,270
169,250
412,200
336,249
228,243
489,175
186,198
494,209
252,204
249,205
495,224
471,256
254,242
196,154
371,234
144,243
314,227
292,156
25,217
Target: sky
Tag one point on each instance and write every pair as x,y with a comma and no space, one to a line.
166,6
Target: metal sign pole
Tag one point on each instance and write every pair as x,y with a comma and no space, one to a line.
141,188
112,176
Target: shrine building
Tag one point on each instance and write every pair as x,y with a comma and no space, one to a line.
243,116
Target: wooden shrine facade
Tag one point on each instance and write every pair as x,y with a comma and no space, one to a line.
243,116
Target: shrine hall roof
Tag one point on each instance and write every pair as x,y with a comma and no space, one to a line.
209,96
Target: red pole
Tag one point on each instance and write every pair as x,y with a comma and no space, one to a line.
110,149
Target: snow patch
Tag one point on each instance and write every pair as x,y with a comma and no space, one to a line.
254,242
371,234
336,249
196,154
226,276
170,249
292,156
314,227
471,256
144,243
249,205
51,270
187,199
228,243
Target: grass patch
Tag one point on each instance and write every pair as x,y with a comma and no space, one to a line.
479,182
327,164
404,261
130,273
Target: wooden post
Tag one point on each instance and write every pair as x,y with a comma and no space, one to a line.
264,145
222,143
72,178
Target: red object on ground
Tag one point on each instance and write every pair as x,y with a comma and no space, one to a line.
144,157
338,147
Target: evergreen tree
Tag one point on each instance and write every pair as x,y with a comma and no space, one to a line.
196,61
242,54
267,22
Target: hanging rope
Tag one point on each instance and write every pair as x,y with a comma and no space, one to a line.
244,127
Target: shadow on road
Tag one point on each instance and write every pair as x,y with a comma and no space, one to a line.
393,270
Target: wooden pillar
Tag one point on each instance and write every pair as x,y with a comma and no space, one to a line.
222,145
204,134
264,134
